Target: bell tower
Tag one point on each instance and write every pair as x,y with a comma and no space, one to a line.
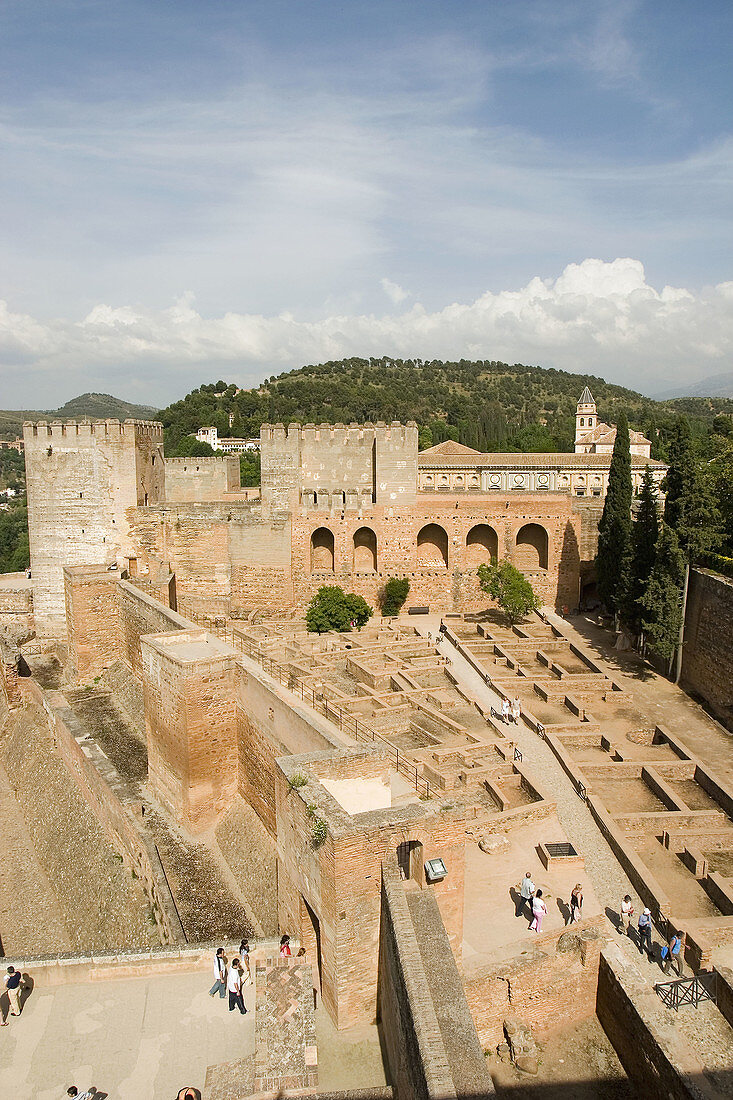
586,419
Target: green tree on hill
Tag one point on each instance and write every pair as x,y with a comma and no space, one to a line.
614,529
510,588
333,609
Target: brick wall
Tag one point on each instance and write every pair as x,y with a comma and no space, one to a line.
707,656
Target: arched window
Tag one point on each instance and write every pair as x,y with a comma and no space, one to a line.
531,552
482,544
432,547
582,422
322,551
365,551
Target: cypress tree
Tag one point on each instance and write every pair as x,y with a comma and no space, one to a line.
614,530
661,616
644,535
689,509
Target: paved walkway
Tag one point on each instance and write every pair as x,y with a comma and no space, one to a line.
610,882
131,1038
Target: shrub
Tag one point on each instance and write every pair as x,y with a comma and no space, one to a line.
333,609
394,595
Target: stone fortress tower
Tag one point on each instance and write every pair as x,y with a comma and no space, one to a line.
82,479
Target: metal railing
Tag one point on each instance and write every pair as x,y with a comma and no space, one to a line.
582,792
359,730
688,991
518,754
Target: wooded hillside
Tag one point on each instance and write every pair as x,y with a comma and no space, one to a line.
488,405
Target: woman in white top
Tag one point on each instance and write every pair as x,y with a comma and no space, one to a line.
627,912
516,710
538,912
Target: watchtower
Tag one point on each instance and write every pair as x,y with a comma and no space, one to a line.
586,416
82,479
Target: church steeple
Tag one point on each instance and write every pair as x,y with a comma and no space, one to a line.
586,418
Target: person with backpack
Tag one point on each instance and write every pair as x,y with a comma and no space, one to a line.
645,934
672,953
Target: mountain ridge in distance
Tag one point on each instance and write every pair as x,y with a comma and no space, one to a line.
91,406
715,385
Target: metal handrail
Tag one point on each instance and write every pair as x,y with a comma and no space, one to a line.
688,991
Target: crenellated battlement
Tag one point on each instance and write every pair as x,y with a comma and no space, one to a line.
87,431
340,434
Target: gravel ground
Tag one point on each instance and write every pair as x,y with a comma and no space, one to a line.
112,731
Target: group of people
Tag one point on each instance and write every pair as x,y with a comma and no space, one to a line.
511,712
232,978
671,953
530,895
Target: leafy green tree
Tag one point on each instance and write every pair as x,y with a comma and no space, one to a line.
614,529
14,552
249,467
644,535
510,588
394,595
333,609
661,616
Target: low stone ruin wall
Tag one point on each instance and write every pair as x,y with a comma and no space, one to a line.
551,984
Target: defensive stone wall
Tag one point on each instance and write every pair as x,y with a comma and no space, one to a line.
209,478
428,1055
707,655
116,810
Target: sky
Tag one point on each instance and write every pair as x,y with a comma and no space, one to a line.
230,189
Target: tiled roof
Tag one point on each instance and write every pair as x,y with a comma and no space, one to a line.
586,397
448,448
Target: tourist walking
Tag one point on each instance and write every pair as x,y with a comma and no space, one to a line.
76,1095
13,980
526,893
244,957
672,953
285,945
627,912
539,910
576,904
645,934
220,974
516,710
505,710
234,985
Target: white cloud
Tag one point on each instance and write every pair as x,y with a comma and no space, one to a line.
394,291
599,317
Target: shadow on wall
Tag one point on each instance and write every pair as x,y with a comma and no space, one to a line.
570,558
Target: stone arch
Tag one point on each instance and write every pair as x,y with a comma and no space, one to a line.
322,551
482,544
365,551
532,547
432,546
